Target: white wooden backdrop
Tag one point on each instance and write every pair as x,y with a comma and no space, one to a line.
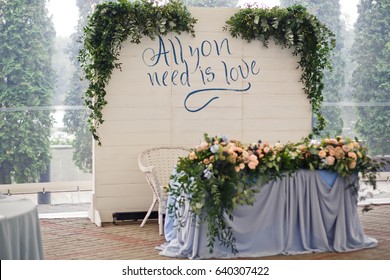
140,115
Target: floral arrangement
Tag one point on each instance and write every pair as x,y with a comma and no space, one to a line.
220,174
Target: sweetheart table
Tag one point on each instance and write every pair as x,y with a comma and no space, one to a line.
310,211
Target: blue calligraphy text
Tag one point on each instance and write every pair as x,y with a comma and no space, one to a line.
187,64
211,99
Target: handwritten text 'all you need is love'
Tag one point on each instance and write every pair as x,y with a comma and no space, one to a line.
195,66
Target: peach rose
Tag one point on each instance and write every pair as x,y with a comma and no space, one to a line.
253,158
352,155
266,150
192,156
339,153
279,146
329,160
245,156
322,154
346,148
202,146
329,147
242,166
261,146
237,168
252,165
352,164
294,154
232,159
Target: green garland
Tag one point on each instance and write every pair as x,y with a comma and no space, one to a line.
108,27
292,27
113,23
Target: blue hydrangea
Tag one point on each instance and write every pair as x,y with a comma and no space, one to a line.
207,173
224,138
214,148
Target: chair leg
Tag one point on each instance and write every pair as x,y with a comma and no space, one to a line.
149,211
160,223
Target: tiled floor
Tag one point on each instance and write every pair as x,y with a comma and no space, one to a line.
79,239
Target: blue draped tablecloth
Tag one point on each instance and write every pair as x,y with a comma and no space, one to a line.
311,211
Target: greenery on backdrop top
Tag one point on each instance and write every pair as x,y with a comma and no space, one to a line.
113,23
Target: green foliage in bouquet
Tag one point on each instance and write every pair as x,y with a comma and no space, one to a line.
220,174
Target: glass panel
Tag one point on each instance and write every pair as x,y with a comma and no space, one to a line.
66,160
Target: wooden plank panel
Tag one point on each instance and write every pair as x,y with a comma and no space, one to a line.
251,111
141,189
136,126
211,19
273,136
119,177
146,113
276,124
149,139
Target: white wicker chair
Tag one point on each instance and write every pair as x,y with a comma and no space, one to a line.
157,163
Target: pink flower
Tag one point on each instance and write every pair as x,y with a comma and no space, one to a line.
261,146
252,165
242,166
352,155
192,156
202,146
346,148
266,150
352,164
279,147
329,160
339,153
245,156
237,168
253,158
322,154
